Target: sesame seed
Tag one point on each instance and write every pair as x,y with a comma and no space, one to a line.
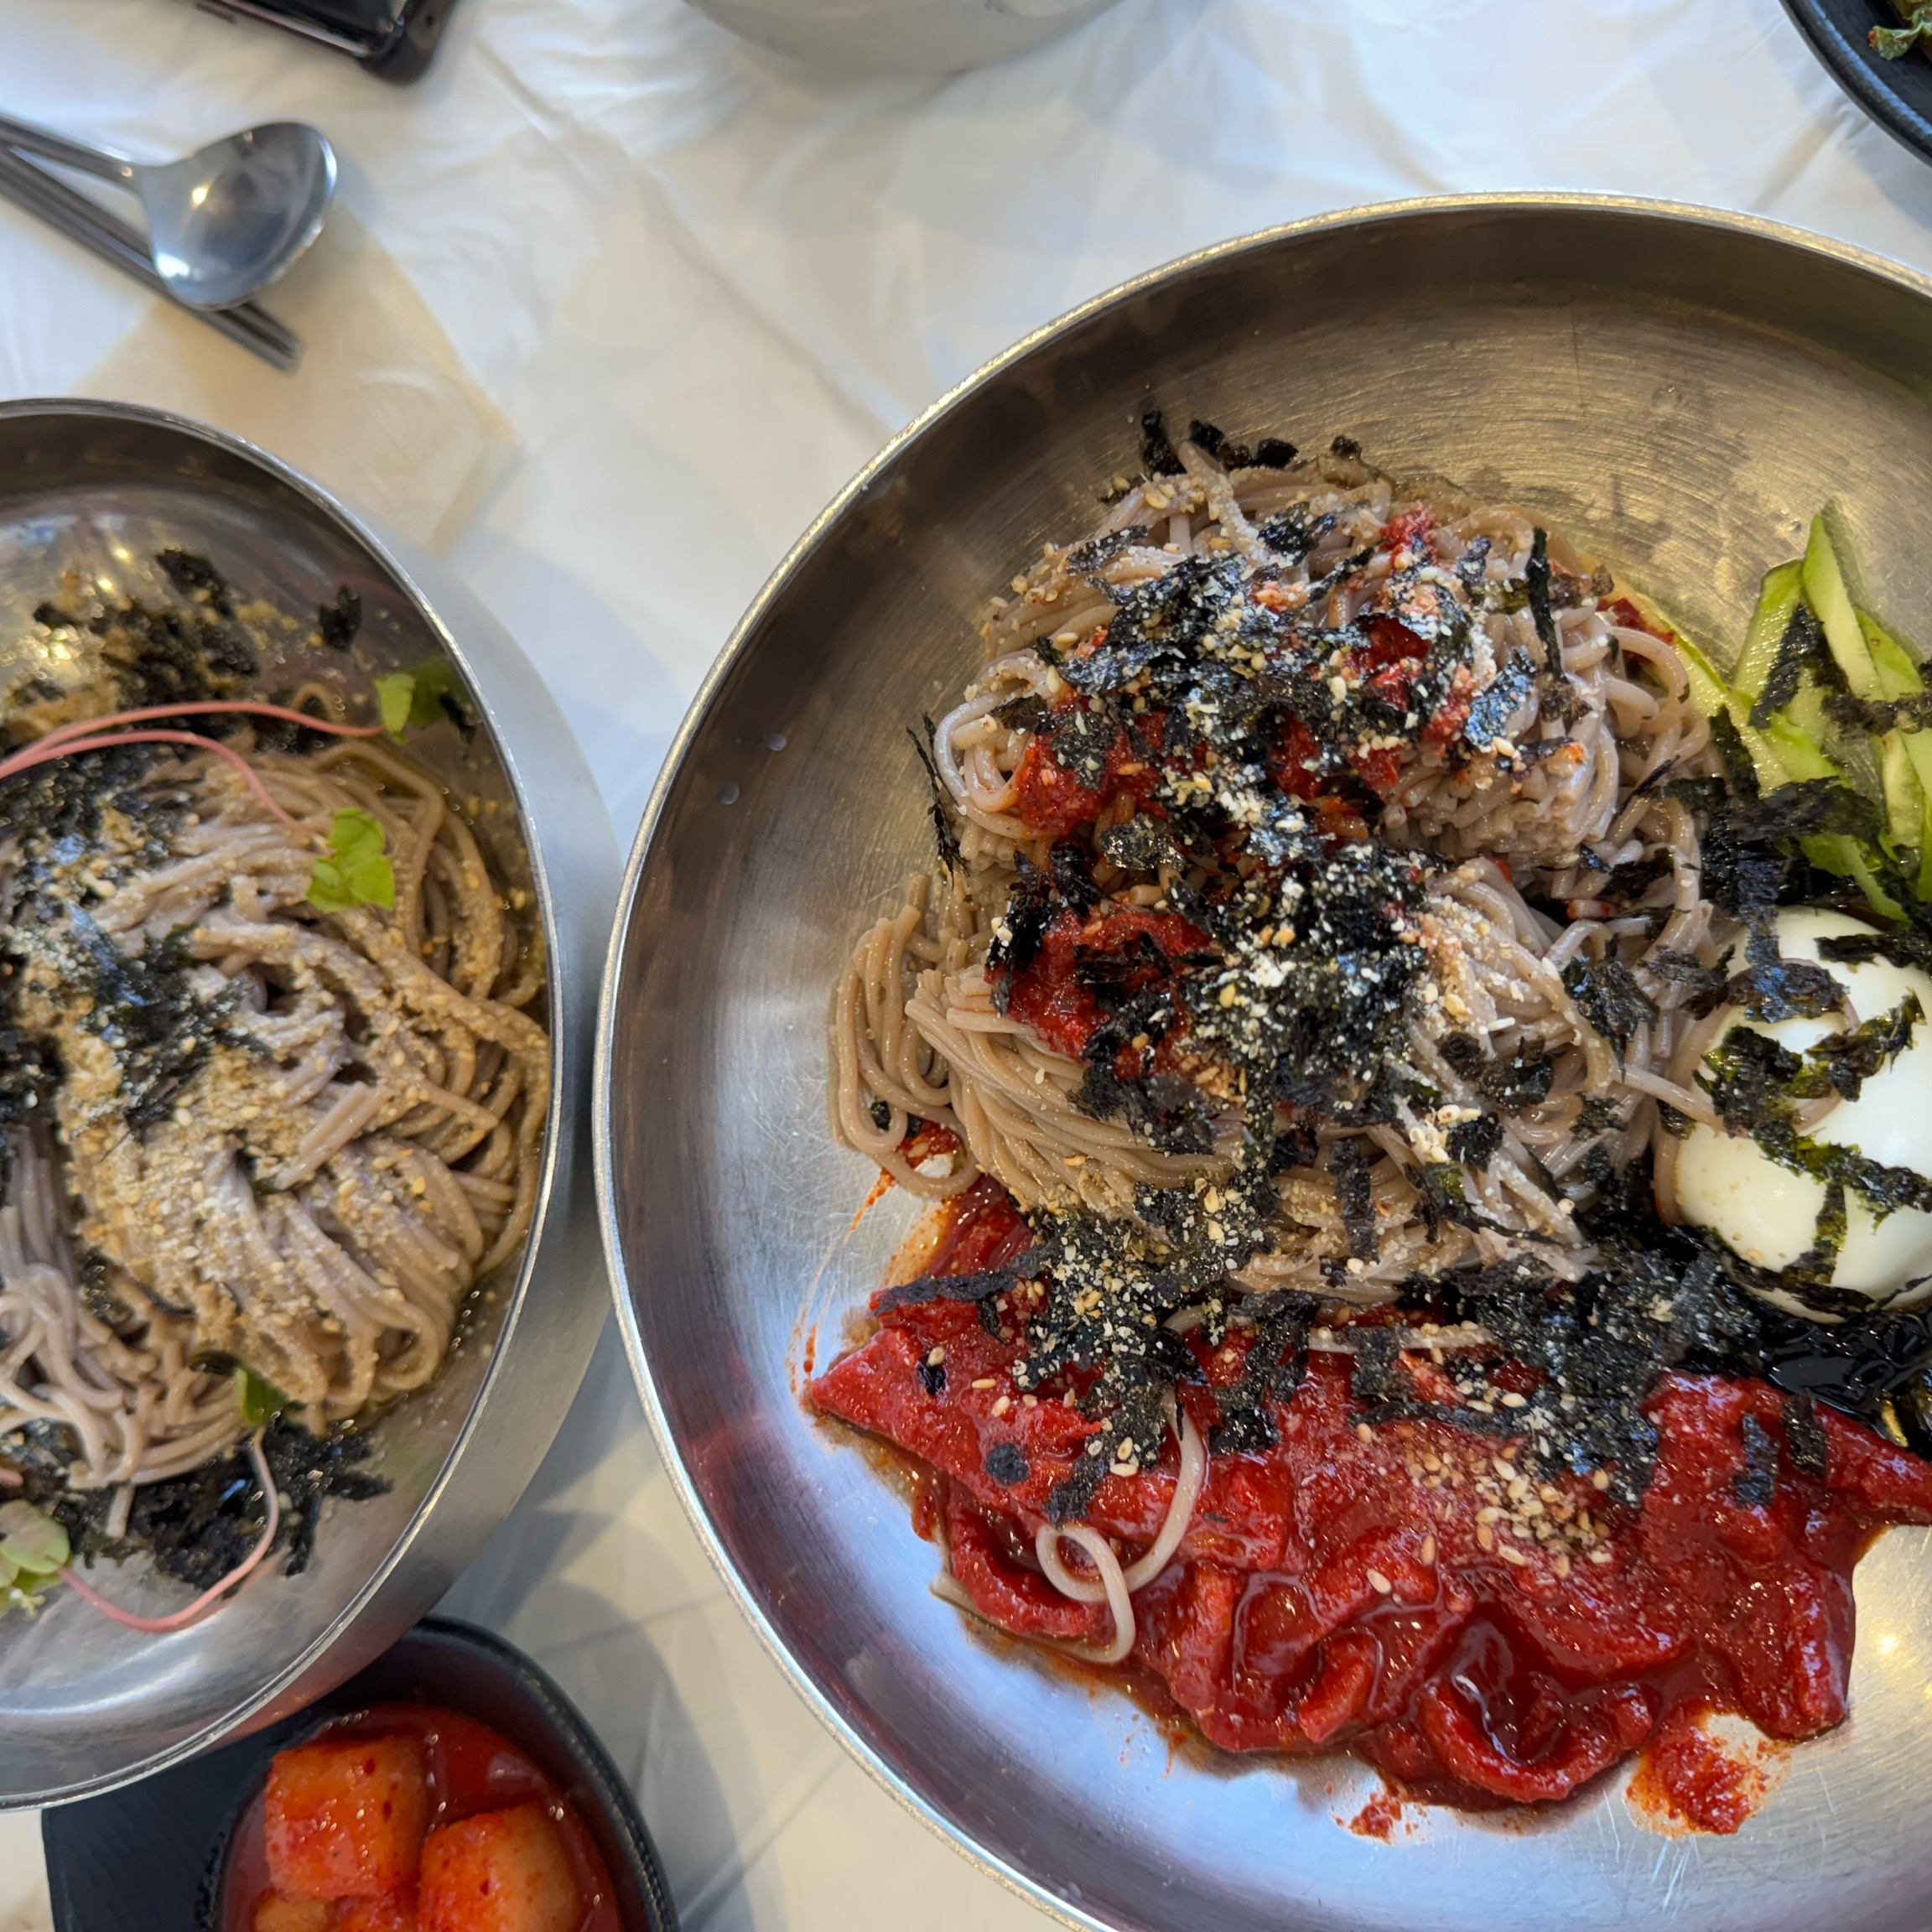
1485,1536
1513,1556
1364,1431
1002,1404
1426,1554
935,1356
1511,1400
1601,1479
1378,1583
985,1382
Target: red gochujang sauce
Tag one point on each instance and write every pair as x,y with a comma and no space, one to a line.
471,1768
1410,1592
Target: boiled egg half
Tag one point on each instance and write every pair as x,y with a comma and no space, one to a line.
1769,1215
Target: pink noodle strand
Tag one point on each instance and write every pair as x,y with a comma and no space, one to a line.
41,752
88,727
180,1619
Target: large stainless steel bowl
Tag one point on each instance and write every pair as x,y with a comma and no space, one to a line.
85,1704
1677,388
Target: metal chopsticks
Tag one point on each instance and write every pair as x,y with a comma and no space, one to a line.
82,219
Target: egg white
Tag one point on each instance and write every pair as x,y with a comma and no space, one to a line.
1769,1215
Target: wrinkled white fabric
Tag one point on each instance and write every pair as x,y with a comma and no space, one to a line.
704,286
380,409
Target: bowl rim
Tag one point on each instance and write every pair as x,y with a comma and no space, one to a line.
1364,214
556,1128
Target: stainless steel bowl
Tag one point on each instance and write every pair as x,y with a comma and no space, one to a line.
1678,389
901,36
83,1703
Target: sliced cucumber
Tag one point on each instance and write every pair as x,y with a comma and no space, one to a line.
1798,754
1904,796
1830,601
1776,601
1899,675
1708,693
1895,667
1790,748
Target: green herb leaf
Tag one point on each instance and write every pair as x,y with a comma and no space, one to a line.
1894,42
259,1398
32,1541
414,699
396,699
439,694
357,870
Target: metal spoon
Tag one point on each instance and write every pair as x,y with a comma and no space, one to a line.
227,221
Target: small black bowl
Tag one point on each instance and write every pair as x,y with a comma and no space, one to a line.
1897,94
150,1855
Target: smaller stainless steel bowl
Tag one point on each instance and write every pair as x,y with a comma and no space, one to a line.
85,1704
900,36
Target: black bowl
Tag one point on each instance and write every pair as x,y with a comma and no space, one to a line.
1897,94
150,1854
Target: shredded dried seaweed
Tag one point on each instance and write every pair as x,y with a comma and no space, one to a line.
1536,584
1608,996
1354,1197
943,835
198,1527
1498,703
1157,456
1274,1369
339,620
1799,650
1474,1143
1521,1081
1756,1483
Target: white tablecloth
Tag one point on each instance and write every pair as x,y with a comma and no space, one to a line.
703,288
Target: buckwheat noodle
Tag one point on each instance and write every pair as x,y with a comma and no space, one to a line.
1567,795
355,1147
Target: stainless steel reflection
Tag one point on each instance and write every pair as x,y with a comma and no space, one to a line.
1678,389
85,1704
222,222
901,36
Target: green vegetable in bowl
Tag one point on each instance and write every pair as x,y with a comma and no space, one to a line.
1823,692
258,1397
414,699
33,1548
1895,42
355,872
